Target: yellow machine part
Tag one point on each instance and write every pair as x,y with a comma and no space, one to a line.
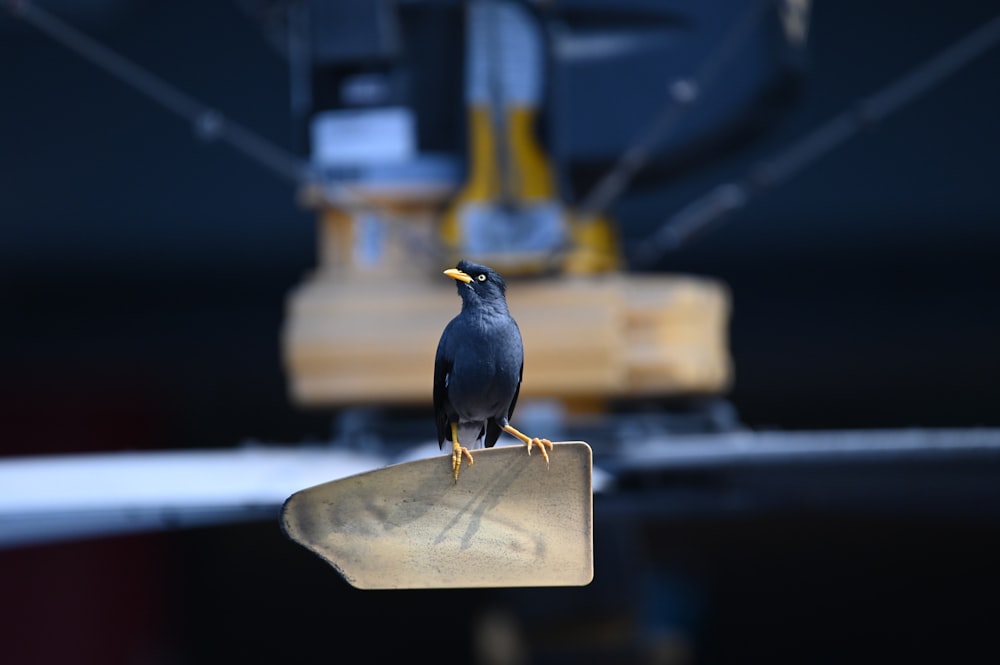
351,341
593,243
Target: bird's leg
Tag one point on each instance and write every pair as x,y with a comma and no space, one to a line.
529,441
457,452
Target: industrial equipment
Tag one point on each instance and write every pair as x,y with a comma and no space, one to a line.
550,96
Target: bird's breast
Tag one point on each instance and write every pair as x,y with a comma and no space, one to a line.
486,353
479,389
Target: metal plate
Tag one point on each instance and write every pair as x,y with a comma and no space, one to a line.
508,522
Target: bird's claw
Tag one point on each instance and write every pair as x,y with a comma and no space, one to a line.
542,445
456,460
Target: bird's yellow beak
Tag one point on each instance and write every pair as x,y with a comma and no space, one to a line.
455,273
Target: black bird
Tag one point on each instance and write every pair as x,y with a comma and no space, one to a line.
477,371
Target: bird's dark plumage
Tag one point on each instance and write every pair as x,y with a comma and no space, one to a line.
477,371
479,362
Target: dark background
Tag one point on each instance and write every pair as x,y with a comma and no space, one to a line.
143,277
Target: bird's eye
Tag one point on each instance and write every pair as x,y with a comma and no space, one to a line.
481,278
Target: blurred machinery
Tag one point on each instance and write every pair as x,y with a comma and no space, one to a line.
502,132
496,130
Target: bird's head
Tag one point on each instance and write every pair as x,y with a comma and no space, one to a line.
478,283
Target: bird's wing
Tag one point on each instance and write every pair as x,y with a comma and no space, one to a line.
517,391
442,366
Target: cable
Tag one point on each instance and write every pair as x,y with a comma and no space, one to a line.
209,124
708,211
683,95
